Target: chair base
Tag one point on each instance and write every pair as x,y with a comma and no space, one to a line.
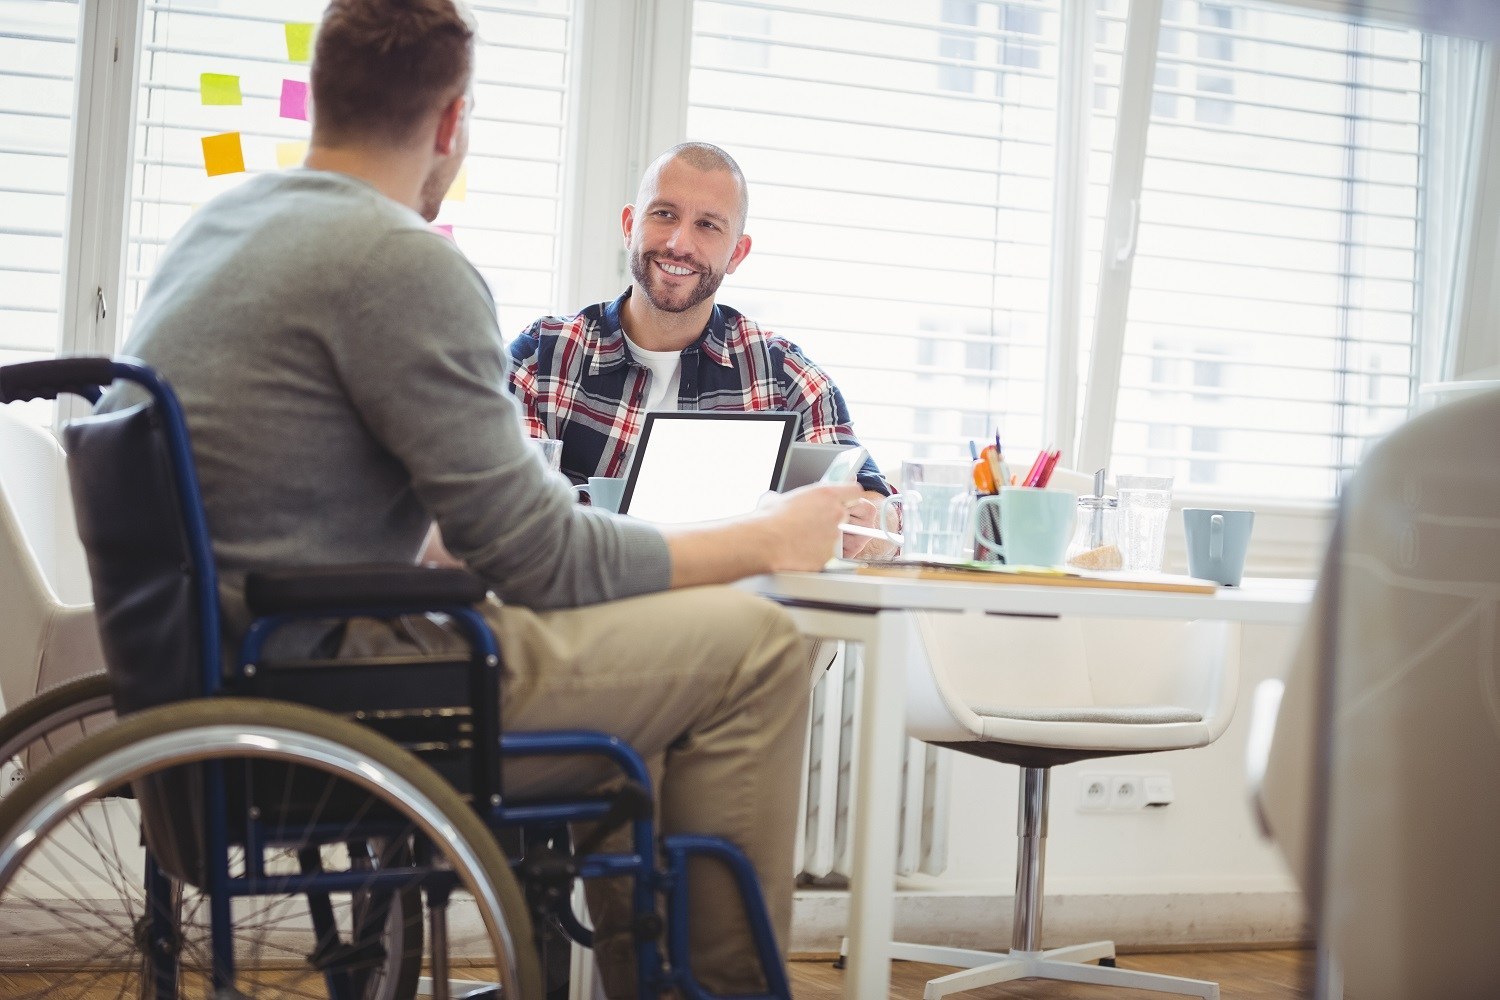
985,968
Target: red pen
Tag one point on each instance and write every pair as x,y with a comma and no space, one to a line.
1036,468
1046,475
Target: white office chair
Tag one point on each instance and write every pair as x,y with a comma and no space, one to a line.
1042,692
1380,781
46,610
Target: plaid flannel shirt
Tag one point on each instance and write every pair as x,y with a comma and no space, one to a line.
577,382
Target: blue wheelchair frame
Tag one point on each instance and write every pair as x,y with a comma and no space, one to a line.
83,376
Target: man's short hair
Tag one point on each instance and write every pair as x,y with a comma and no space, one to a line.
707,156
381,66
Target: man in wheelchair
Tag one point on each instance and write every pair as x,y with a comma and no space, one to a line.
343,377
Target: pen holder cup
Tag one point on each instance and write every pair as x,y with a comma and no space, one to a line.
1037,525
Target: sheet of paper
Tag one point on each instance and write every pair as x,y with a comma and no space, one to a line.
299,42
294,100
219,88
459,190
222,154
290,154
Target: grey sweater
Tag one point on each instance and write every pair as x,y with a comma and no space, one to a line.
343,377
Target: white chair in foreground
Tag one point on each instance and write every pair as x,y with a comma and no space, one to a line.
1379,784
1042,692
46,610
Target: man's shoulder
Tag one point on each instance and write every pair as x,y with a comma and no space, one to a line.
747,333
546,332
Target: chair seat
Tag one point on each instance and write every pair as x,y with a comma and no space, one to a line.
1139,715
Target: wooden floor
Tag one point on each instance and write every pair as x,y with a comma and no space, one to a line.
1241,975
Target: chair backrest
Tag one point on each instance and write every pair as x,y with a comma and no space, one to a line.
981,662
147,582
34,480
1380,784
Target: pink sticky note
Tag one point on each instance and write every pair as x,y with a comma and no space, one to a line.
445,229
294,100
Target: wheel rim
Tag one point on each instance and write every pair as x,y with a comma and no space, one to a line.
44,843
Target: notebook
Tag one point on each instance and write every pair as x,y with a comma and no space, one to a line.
698,466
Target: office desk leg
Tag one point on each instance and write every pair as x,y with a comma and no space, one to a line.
882,728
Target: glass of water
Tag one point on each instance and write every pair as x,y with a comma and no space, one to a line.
1145,502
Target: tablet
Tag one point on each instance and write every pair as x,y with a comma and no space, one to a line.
702,466
806,463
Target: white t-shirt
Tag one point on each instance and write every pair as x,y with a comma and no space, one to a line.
666,375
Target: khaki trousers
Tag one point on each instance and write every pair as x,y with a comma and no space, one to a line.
710,685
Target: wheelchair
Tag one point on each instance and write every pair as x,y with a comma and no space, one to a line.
240,825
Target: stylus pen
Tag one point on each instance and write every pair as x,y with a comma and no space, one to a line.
859,529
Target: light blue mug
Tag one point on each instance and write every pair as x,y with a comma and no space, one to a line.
1036,525
1216,543
604,492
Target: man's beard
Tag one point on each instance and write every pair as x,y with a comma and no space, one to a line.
642,267
433,190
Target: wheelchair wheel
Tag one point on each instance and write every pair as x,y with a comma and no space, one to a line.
318,797
42,727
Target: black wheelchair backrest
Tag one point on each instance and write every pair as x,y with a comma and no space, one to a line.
145,582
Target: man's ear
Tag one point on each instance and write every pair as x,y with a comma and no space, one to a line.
741,251
627,223
448,124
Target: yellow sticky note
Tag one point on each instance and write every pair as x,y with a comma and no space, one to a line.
299,42
219,88
290,154
222,154
459,189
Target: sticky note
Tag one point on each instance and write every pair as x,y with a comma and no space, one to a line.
290,154
299,42
294,100
219,88
459,189
222,154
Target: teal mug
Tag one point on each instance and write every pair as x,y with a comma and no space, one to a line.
604,492
1036,525
1216,543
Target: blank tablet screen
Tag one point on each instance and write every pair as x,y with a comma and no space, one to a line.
695,466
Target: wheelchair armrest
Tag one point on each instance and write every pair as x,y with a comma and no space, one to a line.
371,587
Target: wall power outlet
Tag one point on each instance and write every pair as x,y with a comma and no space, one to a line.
1124,791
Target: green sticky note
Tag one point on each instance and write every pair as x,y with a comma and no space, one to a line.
299,42
219,88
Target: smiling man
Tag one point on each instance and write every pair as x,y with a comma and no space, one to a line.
665,344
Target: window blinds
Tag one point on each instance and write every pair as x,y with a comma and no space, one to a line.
234,72
37,56
900,160
1271,324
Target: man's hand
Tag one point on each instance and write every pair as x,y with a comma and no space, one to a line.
789,531
866,513
807,523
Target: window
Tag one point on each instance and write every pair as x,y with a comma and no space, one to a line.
1273,297
233,74
900,161
37,43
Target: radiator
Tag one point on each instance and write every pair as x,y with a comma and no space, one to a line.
823,848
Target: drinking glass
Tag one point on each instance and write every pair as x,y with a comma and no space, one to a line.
551,452
937,505
1145,502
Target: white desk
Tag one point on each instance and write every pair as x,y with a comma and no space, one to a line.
877,612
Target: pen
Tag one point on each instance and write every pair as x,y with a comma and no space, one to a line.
859,529
1036,467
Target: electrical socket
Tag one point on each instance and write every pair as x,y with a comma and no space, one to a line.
1124,792
1093,792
